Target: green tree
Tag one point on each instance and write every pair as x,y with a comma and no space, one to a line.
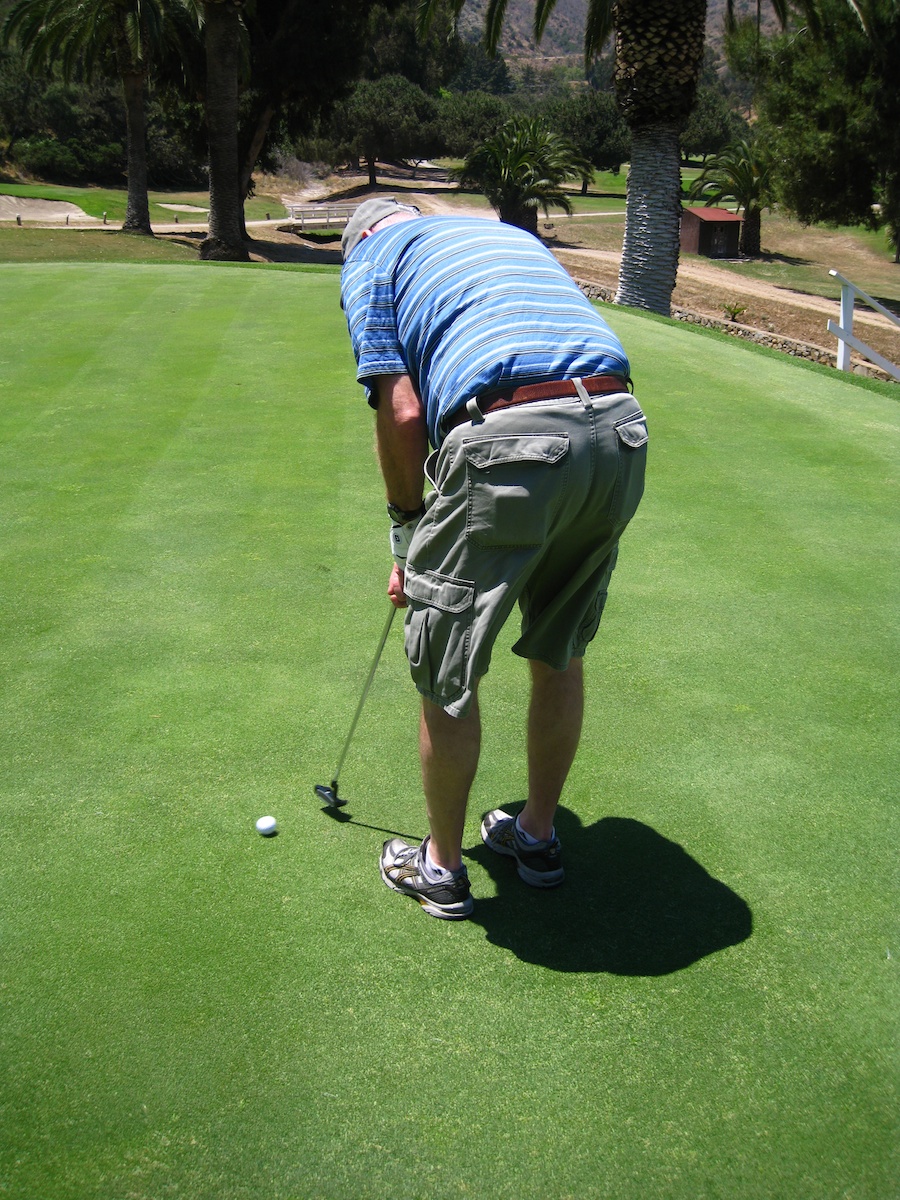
176,150
397,47
481,72
536,86
92,35
523,168
467,118
389,118
828,96
712,125
20,100
740,173
591,121
81,136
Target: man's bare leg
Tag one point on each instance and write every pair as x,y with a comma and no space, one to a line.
449,748
555,717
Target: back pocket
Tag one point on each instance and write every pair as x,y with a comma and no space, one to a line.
631,449
514,487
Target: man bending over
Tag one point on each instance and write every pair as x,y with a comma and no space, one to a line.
472,340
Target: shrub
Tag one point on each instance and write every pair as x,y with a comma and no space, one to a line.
49,159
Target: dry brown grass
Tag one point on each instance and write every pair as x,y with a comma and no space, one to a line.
788,291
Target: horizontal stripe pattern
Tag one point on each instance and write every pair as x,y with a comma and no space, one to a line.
466,305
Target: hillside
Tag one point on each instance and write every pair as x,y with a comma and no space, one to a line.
564,36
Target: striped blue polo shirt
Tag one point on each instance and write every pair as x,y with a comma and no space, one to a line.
464,305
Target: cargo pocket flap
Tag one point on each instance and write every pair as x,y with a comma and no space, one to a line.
633,431
530,447
440,591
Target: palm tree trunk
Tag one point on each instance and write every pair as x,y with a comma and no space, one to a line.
249,160
652,216
523,216
133,75
137,207
225,241
751,234
257,141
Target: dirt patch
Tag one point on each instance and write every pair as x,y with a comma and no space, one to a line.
282,246
707,289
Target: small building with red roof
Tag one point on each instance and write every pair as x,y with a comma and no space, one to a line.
713,232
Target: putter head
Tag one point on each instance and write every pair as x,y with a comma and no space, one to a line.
330,794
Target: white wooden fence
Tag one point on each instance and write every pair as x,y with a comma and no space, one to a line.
320,216
844,331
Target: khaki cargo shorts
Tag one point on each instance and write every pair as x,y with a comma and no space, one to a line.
528,505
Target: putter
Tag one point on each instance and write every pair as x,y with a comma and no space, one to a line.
330,794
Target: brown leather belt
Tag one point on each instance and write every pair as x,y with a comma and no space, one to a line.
554,389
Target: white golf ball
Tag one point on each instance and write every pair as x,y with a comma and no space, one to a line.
267,826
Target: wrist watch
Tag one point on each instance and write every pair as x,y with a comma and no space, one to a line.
403,516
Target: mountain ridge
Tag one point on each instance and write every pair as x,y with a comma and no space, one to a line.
564,35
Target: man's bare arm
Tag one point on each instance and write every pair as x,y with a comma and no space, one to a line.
402,437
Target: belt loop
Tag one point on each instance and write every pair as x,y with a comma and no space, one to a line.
582,393
474,411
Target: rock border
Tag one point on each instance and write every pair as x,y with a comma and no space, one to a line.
761,337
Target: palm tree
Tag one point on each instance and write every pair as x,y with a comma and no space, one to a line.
740,173
223,36
522,168
89,32
659,56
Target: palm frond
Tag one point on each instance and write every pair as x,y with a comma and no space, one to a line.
739,172
493,24
542,11
425,13
600,24
524,166
68,33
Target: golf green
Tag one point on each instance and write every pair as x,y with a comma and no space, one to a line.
194,557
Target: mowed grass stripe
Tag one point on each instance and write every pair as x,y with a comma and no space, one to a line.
141,533
707,1008
775,594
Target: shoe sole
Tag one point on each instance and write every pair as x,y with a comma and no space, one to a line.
535,879
459,913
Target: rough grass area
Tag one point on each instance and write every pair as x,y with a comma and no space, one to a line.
800,257
194,557
24,245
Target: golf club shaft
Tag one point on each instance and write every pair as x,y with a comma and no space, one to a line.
365,691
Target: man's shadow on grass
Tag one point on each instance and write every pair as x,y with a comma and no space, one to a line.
633,903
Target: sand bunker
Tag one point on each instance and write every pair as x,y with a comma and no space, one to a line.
41,210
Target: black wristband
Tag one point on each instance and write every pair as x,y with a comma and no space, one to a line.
401,516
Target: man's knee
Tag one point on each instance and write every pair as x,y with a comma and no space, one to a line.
543,672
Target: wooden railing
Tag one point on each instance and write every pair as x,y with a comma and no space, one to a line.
844,331
320,216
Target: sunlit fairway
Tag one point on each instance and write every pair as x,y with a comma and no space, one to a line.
194,560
